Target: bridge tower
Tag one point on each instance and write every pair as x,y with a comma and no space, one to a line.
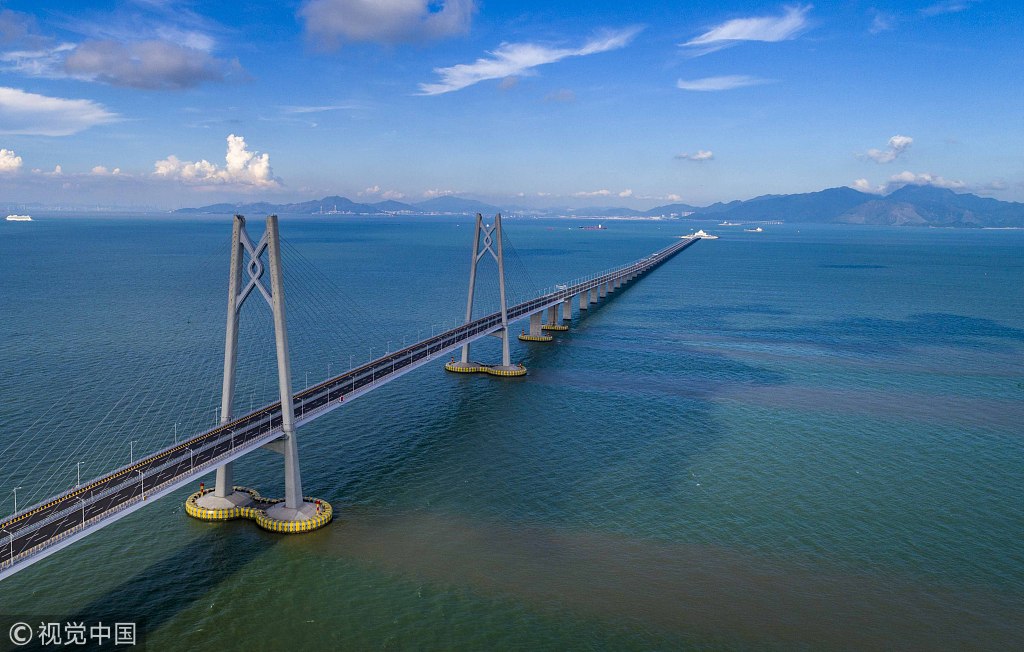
224,496
491,245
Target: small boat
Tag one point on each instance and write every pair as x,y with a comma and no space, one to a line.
599,227
727,223
757,230
19,218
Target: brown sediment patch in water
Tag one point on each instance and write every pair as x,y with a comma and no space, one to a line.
680,588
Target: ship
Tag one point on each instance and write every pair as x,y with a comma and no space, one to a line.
757,230
599,227
19,218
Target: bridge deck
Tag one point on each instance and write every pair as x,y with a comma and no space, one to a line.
42,529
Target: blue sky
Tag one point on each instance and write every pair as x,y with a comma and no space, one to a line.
175,103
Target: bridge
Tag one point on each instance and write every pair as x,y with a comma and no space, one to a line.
42,529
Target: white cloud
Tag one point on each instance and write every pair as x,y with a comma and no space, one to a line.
103,171
519,59
150,64
698,156
377,191
242,168
673,197
430,194
604,192
948,7
882,22
769,29
42,62
628,192
39,115
9,161
347,106
332,22
723,83
864,185
906,178
896,146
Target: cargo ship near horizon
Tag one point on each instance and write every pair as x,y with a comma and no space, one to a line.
19,218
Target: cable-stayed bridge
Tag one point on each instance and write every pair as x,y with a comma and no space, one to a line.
50,525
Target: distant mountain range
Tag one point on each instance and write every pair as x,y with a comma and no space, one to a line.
907,206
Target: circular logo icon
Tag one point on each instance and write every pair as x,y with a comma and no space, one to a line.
21,633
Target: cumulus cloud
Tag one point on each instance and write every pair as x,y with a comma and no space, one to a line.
673,197
698,156
628,192
102,171
242,168
723,83
40,115
907,178
769,29
604,192
520,59
333,22
151,64
9,161
896,146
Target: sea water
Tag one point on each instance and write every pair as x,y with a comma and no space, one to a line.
806,438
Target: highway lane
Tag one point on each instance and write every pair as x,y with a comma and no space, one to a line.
66,513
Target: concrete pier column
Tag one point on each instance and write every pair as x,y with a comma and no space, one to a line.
611,286
618,282
535,323
584,304
602,290
567,310
593,295
224,495
553,315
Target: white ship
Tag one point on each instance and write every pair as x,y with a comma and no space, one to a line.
700,234
757,230
19,218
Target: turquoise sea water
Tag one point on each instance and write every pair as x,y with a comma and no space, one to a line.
807,438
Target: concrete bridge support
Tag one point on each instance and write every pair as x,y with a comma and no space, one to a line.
584,302
567,310
491,245
602,290
536,333
294,507
593,295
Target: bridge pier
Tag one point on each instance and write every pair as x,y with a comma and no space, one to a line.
593,295
536,333
552,323
294,513
602,290
567,310
584,302
492,241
